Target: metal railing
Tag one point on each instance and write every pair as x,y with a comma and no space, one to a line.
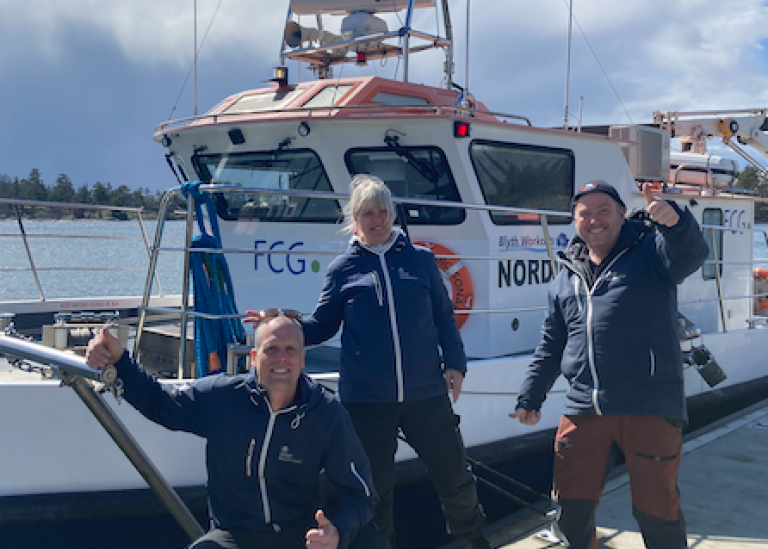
543,216
369,110
26,237
719,263
184,312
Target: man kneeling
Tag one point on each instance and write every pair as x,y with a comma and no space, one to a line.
269,435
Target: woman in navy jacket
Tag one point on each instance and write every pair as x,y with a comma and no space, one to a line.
401,353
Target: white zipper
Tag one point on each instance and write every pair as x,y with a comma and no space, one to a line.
359,478
576,281
263,458
653,363
249,459
377,287
590,343
262,466
395,333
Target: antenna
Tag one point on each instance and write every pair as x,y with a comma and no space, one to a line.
195,24
568,65
466,56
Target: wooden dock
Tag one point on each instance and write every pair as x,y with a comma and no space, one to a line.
723,481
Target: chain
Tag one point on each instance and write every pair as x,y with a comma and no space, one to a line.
117,390
23,365
47,372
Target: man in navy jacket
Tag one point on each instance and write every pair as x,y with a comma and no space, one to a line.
269,435
611,330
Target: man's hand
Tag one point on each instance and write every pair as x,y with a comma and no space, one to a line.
659,210
454,379
526,417
325,536
253,317
103,350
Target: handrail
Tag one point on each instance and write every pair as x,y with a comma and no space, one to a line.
68,205
16,203
23,234
542,214
327,112
185,314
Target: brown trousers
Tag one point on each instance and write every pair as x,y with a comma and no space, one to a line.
652,447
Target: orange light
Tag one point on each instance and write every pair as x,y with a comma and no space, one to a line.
460,129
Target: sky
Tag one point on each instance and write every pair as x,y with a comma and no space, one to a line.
84,83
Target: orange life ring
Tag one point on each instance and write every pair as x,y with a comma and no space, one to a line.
455,272
760,274
763,305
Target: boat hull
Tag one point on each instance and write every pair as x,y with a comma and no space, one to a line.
60,447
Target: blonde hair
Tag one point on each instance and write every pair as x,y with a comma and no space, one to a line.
366,191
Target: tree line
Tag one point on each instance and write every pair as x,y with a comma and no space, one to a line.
749,178
64,190
33,188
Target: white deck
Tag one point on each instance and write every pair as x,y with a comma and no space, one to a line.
722,481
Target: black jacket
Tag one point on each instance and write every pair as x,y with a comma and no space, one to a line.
616,340
264,466
399,330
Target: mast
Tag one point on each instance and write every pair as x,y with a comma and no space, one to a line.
568,65
195,33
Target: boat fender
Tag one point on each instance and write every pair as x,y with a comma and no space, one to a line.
456,278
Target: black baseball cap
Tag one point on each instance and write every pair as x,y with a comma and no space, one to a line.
597,186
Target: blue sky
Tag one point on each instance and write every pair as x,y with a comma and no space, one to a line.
85,82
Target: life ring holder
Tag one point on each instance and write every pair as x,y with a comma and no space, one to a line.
761,304
456,275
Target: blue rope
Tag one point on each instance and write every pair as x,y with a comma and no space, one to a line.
212,286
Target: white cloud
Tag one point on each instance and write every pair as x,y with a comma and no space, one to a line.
147,31
658,54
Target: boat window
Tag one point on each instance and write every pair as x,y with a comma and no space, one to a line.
524,176
327,97
294,169
712,216
398,100
423,173
270,101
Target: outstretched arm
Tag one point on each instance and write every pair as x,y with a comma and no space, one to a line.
179,409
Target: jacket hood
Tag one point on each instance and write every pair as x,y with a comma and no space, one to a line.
396,240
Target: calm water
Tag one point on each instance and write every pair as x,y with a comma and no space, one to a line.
62,249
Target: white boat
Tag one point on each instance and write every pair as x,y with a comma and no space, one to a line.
490,192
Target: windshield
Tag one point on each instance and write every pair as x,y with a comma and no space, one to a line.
413,172
277,170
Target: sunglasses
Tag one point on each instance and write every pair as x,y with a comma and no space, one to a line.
293,314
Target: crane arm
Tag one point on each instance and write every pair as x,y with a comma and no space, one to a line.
747,126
